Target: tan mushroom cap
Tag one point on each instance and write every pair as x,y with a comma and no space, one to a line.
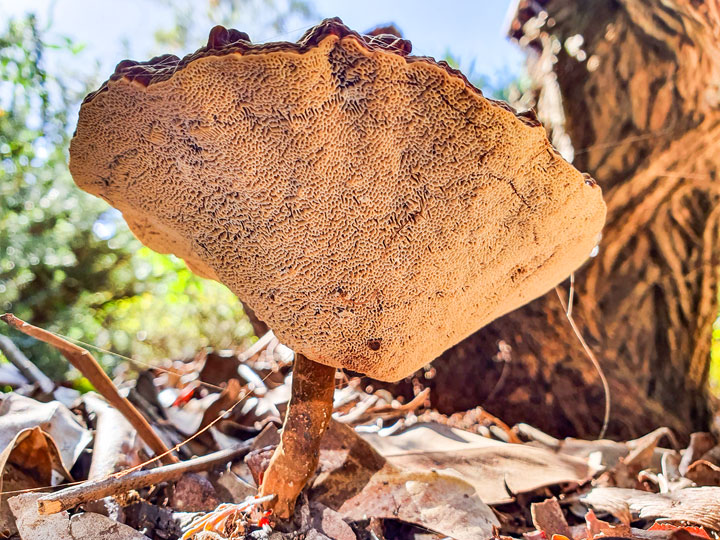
372,207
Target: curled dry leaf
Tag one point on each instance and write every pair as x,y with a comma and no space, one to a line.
27,462
637,453
597,527
699,506
225,401
35,440
643,454
700,444
704,473
18,413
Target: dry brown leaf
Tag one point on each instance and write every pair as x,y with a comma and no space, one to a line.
597,527
18,413
643,452
435,500
35,440
547,516
328,522
27,462
704,473
429,437
357,481
700,444
699,506
117,445
490,466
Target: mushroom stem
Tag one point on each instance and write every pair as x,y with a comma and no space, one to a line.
307,417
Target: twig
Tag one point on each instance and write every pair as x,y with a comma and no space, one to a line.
256,347
589,353
26,367
84,362
114,485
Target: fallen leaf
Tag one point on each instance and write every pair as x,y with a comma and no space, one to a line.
30,460
117,445
699,506
607,454
193,492
18,413
704,473
225,401
428,437
230,487
330,523
597,527
492,467
700,444
435,500
12,376
357,482
547,516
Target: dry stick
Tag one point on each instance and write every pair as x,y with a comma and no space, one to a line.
256,347
115,485
134,362
589,353
86,364
31,372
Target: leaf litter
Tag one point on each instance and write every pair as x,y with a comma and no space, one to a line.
388,469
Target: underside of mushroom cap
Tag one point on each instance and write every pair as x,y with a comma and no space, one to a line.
372,207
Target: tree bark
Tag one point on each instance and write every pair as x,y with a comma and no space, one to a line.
639,97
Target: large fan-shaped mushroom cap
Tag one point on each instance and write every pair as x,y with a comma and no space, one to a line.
372,207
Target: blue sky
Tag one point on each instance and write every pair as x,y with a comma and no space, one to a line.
472,30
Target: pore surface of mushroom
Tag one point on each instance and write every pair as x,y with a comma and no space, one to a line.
372,207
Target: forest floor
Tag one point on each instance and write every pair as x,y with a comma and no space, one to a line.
388,469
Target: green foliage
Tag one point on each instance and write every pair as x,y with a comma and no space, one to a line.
67,262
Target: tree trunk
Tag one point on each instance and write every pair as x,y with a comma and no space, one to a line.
640,101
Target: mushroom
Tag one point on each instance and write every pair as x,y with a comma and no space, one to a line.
372,207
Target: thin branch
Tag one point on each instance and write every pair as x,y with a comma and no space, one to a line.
93,490
26,367
86,364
